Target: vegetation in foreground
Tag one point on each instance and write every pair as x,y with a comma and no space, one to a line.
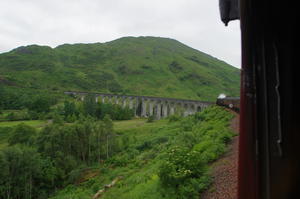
160,159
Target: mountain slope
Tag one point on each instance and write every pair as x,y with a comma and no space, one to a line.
141,66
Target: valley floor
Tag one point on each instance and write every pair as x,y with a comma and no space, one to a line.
169,158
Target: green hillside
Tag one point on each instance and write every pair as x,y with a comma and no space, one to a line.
140,66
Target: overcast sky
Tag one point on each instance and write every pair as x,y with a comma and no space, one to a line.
195,23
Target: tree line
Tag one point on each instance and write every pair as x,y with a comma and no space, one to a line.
43,106
35,164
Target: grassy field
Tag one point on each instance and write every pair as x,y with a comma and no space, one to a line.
6,127
129,124
33,123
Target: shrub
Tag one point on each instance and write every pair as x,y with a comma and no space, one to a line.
115,111
22,134
150,119
33,115
174,118
120,160
185,172
71,118
11,116
187,124
180,166
17,116
190,188
202,141
145,145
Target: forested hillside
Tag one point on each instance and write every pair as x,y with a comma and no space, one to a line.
141,66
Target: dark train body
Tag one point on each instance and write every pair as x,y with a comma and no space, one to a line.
230,102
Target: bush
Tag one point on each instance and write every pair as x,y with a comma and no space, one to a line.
187,124
150,119
33,115
57,119
190,188
11,116
174,118
115,111
202,141
41,104
210,150
18,115
71,118
5,132
186,172
145,145
120,160
22,134
180,166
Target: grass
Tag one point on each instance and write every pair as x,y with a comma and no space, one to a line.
129,124
139,171
33,123
6,127
145,149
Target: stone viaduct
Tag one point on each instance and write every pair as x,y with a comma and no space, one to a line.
146,106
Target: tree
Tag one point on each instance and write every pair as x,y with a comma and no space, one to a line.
24,173
70,109
99,133
4,175
22,134
1,97
115,111
109,134
71,118
89,105
40,104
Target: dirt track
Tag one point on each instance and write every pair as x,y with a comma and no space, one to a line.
225,171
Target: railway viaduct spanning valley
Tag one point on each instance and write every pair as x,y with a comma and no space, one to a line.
91,138
59,144
145,106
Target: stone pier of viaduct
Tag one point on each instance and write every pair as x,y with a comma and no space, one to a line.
145,106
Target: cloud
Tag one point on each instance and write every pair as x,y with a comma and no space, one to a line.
193,22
